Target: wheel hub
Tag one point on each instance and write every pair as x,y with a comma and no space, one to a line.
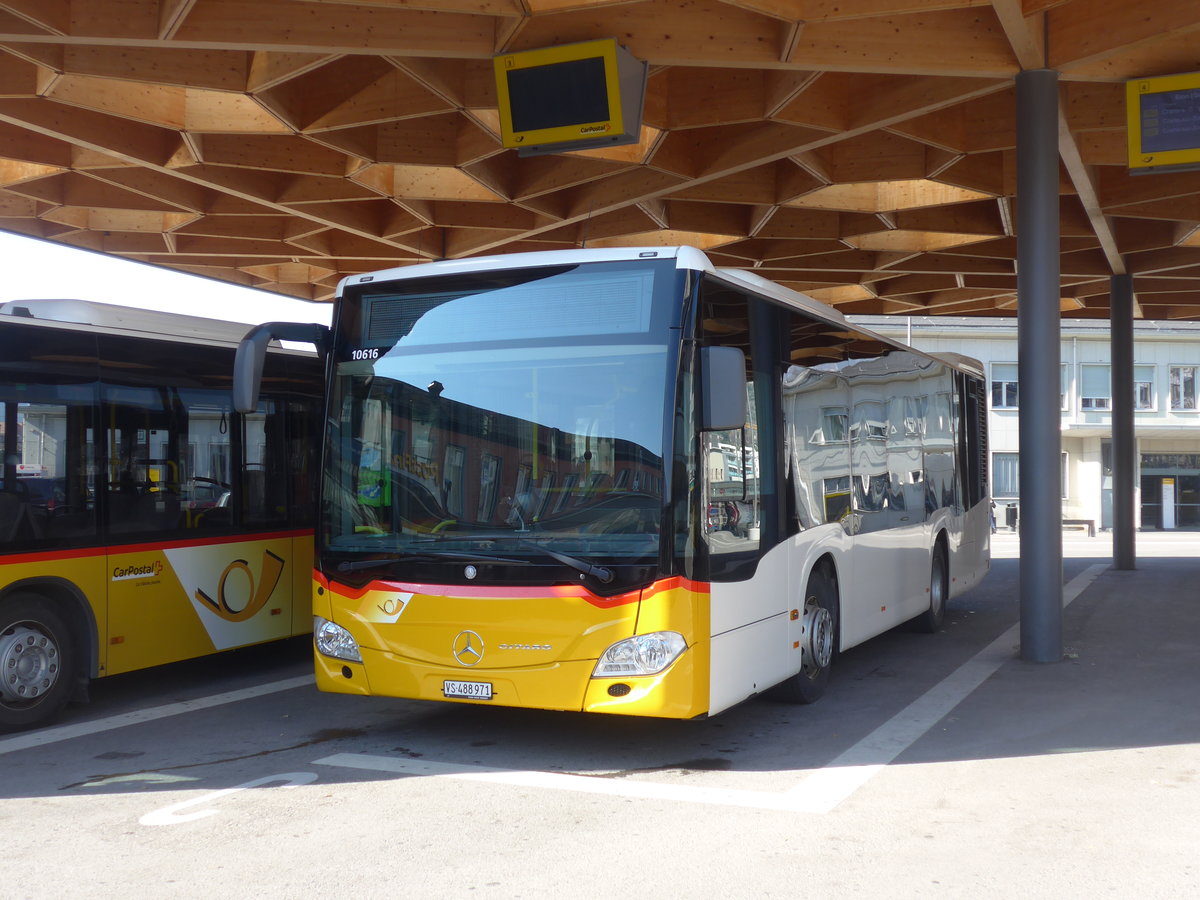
937,591
818,635
29,664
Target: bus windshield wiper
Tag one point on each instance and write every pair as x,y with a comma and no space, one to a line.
603,574
353,565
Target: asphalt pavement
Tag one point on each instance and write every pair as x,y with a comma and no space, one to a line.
938,766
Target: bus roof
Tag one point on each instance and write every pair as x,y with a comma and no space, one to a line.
126,319
685,258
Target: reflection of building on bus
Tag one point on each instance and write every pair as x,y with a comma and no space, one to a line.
874,439
626,481
143,520
440,462
1166,394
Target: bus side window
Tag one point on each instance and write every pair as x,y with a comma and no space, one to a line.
48,430
731,459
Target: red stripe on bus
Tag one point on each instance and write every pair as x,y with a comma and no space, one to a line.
511,593
87,552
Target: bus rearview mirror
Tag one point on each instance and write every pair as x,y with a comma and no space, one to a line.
723,370
252,353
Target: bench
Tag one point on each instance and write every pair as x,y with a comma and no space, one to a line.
1089,524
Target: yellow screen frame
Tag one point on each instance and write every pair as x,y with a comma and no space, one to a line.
1137,88
529,59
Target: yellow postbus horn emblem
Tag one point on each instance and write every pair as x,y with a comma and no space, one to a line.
272,568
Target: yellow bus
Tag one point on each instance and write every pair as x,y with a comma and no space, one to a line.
142,520
627,481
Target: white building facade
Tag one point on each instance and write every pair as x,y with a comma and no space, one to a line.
1166,412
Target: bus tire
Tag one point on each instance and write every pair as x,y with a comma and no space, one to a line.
820,617
930,621
37,662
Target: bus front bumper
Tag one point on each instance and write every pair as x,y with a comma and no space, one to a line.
565,685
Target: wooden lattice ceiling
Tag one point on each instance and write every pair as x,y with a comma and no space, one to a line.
859,150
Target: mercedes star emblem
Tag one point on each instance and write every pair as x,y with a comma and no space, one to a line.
468,648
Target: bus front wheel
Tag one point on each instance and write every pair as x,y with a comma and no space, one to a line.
819,642
36,656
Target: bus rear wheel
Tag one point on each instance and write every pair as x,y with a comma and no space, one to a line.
931,621
36,661
819,642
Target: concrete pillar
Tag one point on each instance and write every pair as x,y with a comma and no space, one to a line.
1038,360
1124,453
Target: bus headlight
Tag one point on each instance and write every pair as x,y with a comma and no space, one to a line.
334,640
643,654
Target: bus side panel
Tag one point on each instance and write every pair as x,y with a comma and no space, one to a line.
971,559
766,647
177,603
300,574
49,571
750,645
889,581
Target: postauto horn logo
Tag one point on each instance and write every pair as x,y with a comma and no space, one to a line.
259,592
129,573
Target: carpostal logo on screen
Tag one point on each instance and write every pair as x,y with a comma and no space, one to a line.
138,572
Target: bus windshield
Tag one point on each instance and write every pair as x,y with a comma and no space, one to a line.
504,416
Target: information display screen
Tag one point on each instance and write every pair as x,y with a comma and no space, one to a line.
1163,120
566,93
1170,120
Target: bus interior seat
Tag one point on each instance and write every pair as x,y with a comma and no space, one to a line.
16,517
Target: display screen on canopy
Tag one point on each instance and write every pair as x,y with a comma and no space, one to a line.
1164,123
574,97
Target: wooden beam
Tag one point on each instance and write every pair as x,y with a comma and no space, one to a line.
1081,178
962,42
1085,30
49,16
1023,29
171,14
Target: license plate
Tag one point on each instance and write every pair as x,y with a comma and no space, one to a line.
468,690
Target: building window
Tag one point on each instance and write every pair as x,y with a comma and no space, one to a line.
1095,387
870,421
834,424
1095,390
489,481
1183,387
1006,475
452,479
1143,387
1004,385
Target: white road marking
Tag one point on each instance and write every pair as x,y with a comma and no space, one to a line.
821,792
587,784
173,815
69,732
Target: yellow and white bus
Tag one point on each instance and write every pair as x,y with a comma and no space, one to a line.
627,481
142,520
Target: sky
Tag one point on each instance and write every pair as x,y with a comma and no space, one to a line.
33,269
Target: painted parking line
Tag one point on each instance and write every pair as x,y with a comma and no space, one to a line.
822,791
46,736
175,815
586,784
